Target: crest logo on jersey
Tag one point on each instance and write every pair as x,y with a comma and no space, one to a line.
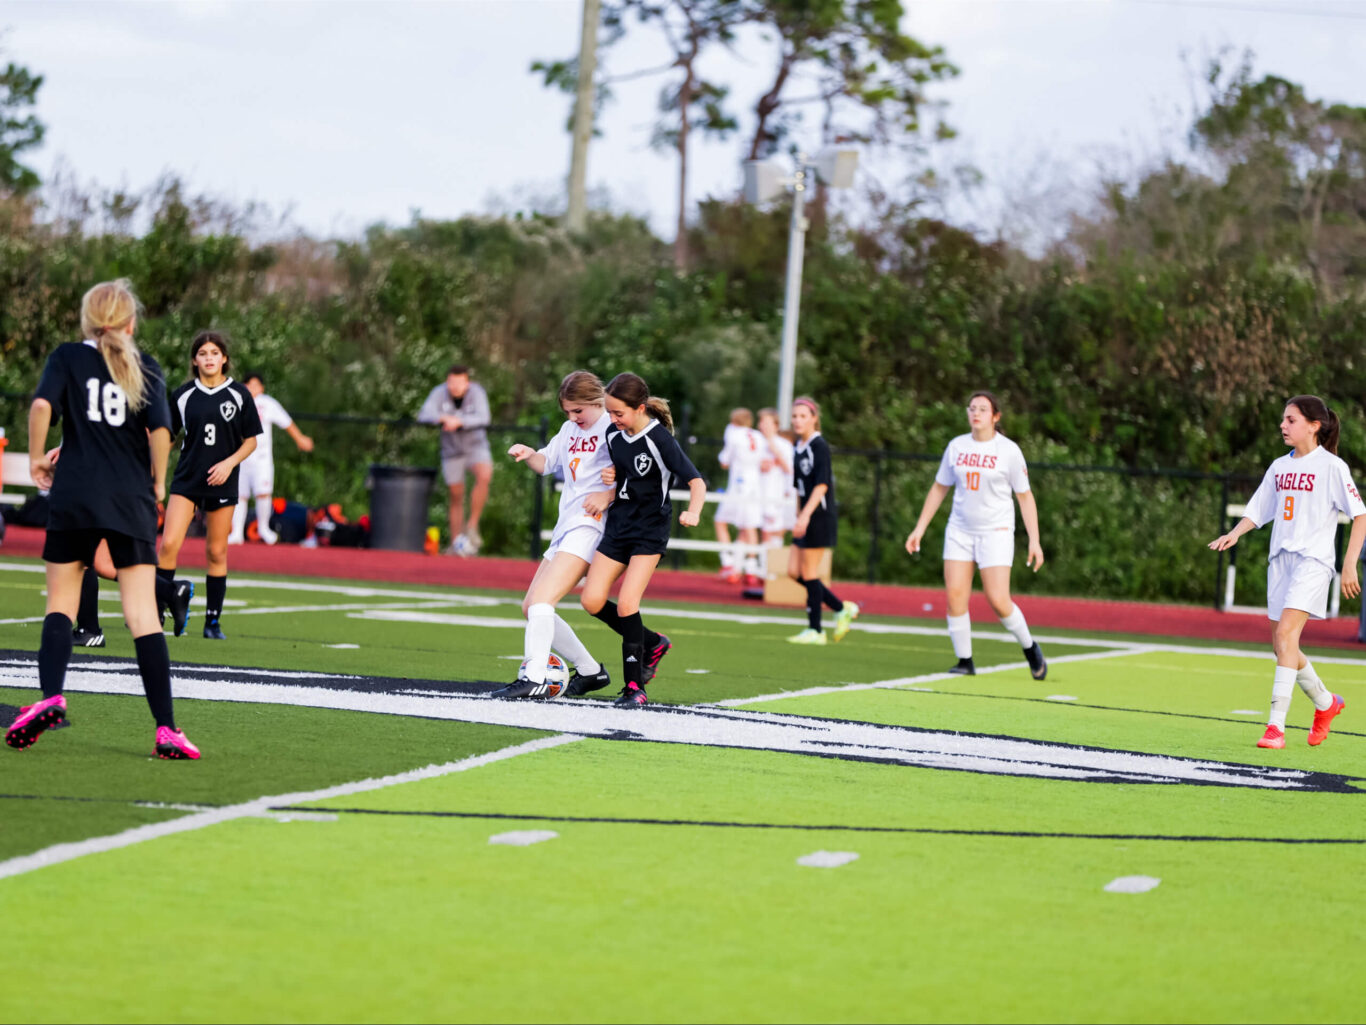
643,464
228,408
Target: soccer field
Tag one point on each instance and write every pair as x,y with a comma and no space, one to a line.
809,834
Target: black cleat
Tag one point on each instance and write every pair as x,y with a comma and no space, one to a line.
83,638
652,660
631,696
1038,668
580,684
213,631
180,607
964,668
529,689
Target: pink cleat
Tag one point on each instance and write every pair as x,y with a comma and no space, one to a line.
33,720
1323,720
1273,737
174,744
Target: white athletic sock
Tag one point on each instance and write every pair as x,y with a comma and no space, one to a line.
960,632
540,632
728,559
239,519
567,643
1281,690
263,511
1311,684
1015,623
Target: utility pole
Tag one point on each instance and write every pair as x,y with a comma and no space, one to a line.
576,217
792,294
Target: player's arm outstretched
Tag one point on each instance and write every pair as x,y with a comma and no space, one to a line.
1029,512
302,440
532,457
932,503
1226,541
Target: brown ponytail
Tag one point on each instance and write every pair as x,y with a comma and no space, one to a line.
632,390
107,311
1314,409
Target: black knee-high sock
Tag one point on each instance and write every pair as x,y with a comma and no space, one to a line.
813,602
828,596
165,587
608,615
88,615
154,663
54,653
632,648
215,588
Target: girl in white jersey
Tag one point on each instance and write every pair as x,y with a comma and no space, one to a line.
1303,491
579,453
983,468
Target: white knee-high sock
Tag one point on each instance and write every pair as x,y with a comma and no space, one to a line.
1282,687
1311,684
239,518
1015,623
567,643
263,511
540,632
960,633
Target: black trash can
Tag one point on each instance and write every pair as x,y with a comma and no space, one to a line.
398,506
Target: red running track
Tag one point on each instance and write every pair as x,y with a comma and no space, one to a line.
1147,618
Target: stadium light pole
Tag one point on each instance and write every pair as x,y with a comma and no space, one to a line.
765,181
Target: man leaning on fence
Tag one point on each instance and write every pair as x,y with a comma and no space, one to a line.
461,407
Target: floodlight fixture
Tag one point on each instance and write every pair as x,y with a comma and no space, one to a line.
765,180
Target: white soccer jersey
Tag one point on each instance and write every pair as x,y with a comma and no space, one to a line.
272,414
743,456
1303,495
777,486
983,475
580,454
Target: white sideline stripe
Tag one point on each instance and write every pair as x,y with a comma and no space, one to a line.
261,806
436,618
102,666
1254,651
903,681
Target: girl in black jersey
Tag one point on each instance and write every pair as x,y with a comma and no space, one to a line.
220,422
646,460
817,524
116,439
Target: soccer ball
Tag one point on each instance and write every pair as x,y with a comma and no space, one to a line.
556,676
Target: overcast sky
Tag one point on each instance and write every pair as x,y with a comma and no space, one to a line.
350,113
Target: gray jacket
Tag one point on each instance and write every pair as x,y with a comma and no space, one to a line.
473,411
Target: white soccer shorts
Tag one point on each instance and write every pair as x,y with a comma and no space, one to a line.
255,478
1296,582
995,548
581,540
741,508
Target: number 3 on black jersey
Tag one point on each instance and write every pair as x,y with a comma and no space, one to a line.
110,399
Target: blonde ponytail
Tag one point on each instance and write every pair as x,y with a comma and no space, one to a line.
107,310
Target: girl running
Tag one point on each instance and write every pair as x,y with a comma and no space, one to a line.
111,399
646,460
983,467
579,454
816,526
1303,491
220,422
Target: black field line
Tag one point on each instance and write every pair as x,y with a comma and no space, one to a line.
826,828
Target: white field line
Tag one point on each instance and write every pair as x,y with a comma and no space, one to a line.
904,681
260,807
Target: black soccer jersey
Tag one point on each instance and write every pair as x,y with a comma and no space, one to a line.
646,465
811,466
216,421
103,478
